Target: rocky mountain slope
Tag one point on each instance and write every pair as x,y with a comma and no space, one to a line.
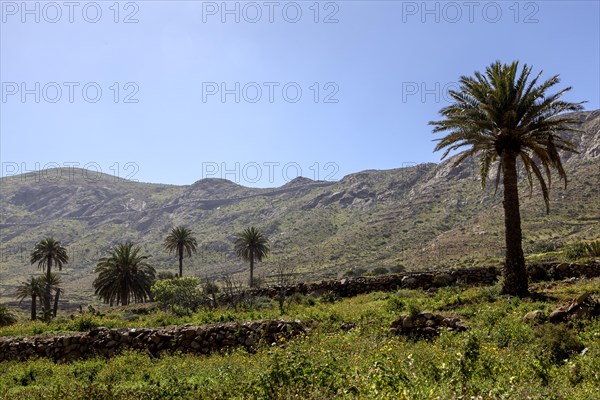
421,217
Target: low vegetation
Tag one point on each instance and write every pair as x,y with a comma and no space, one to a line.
346,353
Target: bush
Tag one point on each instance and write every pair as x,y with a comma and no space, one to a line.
395,304
85,323
329,297
379,271
543,247
6,316
398,269
557,342
297,298
413,308
576,250
183,293
356,271
593,248
164,275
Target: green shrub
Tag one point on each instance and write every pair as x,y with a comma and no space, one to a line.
544,247
397,269
395,304
6,316
329,297
181,311
593,248
184,293
379,271
357,271
557,342
164,275
575,251
85,323
297,298
492,293
413,308
467,360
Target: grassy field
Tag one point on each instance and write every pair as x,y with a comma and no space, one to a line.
498,357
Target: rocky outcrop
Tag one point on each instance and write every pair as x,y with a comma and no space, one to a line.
583,307
188,339
425,325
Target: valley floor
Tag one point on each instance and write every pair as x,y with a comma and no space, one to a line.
499,356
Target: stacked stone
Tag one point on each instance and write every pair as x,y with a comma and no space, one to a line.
425,325
187,339
573,270
349,287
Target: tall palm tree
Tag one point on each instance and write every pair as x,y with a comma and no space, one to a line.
251,245
33,288
503,115
47,252
124,275
181,240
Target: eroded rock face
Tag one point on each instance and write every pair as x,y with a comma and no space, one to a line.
425,325
187,339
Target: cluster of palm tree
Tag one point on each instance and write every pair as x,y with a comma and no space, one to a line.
250,245
124,275
46,253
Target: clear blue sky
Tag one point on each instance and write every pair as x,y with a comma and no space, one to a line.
386,63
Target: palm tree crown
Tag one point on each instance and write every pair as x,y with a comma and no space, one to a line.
251,245
48,252
503,115
124,275
181,240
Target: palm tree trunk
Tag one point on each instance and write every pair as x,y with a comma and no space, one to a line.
180,263
251,268
515,273
47,294
33,307
124,297
56,297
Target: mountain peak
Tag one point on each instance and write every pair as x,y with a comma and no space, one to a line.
299,181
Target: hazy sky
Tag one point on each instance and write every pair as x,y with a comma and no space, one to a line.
260,92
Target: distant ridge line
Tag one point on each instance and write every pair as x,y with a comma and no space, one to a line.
164,207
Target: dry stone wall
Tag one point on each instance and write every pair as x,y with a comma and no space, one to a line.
188,339
426,280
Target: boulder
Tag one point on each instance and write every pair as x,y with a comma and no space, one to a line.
534,316
558,315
